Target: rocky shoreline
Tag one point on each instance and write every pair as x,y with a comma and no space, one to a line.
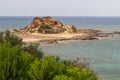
49,30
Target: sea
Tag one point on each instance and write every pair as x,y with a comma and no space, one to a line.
103,55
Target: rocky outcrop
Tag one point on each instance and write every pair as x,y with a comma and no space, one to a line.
48,25
69,29
37,21
50,29
89,33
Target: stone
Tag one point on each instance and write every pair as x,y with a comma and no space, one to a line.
69,29
48,25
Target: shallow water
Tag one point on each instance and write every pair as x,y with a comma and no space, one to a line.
103,55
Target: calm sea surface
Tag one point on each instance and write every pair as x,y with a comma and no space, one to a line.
103,55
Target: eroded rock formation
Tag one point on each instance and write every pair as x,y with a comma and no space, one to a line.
47,29
48,25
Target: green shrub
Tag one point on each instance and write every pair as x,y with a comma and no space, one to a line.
46,29
46,26
1,36
63,77
33,49
46,69
50,68
14,62
18,63
12,39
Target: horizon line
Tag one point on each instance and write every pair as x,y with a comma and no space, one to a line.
57,16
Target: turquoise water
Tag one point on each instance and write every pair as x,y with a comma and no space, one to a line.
103,55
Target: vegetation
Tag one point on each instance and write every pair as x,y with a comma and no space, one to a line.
49,29
17,63
33,50
12,39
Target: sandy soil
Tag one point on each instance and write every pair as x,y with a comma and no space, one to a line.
50,38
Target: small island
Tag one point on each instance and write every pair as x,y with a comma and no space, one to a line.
50,30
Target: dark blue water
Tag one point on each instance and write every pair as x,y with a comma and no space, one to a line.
14,22
106,23
103,55
110,23
90,20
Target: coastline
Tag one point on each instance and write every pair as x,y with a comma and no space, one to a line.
40,38
66,38
49,30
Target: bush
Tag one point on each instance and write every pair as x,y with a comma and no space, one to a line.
63,77
46,69
12,39
17,63
46,27
50,68
14,62
33,49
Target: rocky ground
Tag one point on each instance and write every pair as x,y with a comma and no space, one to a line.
50,30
